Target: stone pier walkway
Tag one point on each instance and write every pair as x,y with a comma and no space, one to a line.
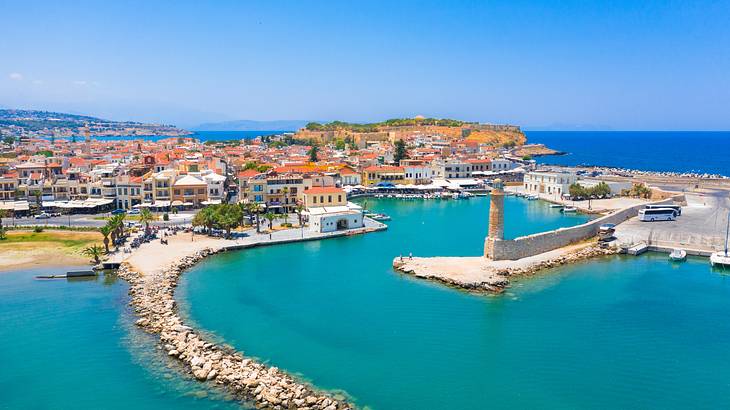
476,273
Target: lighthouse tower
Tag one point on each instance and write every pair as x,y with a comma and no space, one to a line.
496,218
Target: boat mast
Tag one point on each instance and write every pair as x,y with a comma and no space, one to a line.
727,231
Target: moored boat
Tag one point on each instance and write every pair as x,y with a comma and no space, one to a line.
569,209
557,206
379,217
678,255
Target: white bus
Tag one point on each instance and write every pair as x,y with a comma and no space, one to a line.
677,208
657,214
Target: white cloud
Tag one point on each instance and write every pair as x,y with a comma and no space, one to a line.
15,76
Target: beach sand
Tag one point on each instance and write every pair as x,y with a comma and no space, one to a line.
27,249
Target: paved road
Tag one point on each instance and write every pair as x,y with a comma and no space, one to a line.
702,224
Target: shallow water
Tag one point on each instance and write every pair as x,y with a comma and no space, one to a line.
72,344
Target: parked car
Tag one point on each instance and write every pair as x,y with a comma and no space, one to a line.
133,212
119,211
42,215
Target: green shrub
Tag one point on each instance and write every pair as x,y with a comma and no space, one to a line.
38,229
165,217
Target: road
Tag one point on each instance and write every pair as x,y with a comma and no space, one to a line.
89,221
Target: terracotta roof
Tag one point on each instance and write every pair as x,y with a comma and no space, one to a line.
324,190
381,168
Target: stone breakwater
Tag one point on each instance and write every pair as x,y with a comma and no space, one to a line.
481,275
152,298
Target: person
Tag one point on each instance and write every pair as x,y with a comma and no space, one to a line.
410,255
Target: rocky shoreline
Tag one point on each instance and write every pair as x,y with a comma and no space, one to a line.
496,278
152,298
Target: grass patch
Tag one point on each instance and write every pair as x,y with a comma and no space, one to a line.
73,241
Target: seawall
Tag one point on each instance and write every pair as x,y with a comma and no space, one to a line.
535,244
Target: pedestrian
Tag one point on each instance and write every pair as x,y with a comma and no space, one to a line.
410,255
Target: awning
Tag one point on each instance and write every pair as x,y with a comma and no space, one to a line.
211,202
161,203
177,203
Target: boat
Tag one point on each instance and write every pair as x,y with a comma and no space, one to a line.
557,206
380,217
678,255
605,232
569,209
722,259
532,197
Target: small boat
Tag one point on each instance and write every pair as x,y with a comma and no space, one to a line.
532,197
557,206
380,217
569,209
720,259
678,255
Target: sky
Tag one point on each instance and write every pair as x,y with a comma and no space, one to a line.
621,65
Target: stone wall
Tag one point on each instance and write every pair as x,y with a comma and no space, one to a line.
538,243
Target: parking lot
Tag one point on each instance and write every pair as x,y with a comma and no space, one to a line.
701,226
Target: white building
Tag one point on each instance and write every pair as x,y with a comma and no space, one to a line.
501,164
331,219
546,182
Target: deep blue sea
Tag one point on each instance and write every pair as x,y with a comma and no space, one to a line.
679,151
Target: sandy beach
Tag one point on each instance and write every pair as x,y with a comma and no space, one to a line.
48,248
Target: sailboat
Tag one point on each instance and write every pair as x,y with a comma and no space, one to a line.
722,258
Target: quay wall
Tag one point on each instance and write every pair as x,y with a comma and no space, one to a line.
535,244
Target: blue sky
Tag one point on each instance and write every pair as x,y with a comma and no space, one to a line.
659,65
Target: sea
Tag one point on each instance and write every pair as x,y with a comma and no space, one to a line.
665,151
614,332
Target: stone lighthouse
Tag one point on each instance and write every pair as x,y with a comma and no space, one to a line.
496,218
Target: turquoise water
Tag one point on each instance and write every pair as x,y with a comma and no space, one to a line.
73,345
617,332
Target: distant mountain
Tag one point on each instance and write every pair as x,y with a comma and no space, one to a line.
47,123
251,125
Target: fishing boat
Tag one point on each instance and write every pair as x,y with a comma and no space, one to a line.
722,259
678,255
569,210
380,217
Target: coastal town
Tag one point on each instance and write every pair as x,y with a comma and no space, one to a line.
149,198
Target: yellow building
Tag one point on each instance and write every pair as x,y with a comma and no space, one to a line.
376,174
323,196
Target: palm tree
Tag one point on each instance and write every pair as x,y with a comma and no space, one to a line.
94,252
270,216
4,213
299,209
106,230
145,217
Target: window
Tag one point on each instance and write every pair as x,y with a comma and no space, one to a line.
329,199
314,199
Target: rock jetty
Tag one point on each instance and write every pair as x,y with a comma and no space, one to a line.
152,298
481,275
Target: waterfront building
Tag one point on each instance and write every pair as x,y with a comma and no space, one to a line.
549,182
324,197
189,190
378,174
416,171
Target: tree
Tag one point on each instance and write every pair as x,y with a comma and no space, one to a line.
9,140
93,252
299,209
145,217
228,216
577,191
4,213
313,153
400,151
601,190
270,216
340,145
106,230
206,218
